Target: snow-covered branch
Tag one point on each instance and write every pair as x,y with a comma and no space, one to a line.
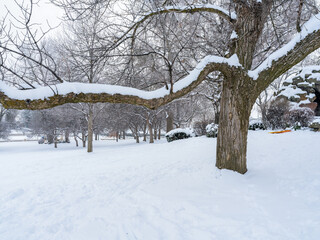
302,44
48,97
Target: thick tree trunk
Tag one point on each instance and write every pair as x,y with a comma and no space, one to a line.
124,134
159,134
117,136
233,130
90,129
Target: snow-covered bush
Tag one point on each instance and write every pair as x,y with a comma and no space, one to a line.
212,130
277,114
300,117
280,115
256,124
315,124
200,127
180,133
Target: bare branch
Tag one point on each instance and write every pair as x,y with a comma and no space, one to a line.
299,16
174,9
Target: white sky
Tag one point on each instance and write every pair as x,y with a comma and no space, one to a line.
44,11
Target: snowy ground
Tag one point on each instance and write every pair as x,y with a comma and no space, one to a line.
162,191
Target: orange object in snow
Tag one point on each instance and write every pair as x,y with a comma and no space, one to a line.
284,131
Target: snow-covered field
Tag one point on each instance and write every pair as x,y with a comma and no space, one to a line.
161,191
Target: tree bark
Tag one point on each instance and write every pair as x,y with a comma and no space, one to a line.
124,134
90,129
159,134
239,92
233,129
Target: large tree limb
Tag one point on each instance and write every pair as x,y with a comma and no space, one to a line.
303,43
46,97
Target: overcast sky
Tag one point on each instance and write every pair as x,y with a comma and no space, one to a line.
44,11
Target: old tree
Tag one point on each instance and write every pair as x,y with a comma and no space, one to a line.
249,66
